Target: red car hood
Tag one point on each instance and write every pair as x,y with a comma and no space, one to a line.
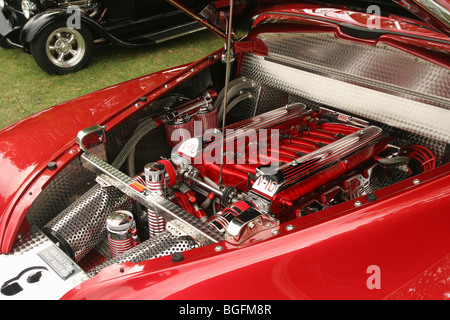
436,13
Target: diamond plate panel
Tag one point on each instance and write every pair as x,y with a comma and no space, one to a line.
402,113
380,66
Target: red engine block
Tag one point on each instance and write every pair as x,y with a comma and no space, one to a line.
287,153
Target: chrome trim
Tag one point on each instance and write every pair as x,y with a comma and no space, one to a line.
12,44
247,225
97,129
313,163
436,9
197,229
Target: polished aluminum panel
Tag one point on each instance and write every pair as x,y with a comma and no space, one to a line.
412,116
374,66
377,82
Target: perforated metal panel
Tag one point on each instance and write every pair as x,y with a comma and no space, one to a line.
82,225
70,184
160,245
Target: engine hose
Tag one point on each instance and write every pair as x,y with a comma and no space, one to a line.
232,104
221,94
237,93
236,87
143,128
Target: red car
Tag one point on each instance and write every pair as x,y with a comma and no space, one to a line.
309,159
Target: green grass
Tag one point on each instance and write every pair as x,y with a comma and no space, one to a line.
25,89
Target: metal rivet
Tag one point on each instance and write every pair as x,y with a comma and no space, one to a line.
358,203
177,257
416,181
122,270
290,227
371,197
275,232
52,166
218,248
166,86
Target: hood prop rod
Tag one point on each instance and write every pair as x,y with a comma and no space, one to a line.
228,49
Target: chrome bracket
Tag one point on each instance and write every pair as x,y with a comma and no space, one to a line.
249,225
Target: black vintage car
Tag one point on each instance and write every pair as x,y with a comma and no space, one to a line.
60,34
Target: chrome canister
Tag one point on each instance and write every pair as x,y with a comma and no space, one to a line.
155,178
120,225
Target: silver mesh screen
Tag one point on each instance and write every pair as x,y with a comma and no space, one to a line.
160,245
82,225
70,184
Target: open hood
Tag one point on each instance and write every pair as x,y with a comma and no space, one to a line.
434,12
214,14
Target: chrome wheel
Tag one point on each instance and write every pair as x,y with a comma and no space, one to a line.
65,47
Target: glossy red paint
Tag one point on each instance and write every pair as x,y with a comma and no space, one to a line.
401,33
359,19
49,136
427,15
326,256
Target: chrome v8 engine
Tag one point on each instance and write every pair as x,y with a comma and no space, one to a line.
235,186
267,167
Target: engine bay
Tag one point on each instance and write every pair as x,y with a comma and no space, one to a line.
277,166
206,164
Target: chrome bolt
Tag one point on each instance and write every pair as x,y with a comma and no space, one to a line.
218,248
290,227
416,181
358,203
275,232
